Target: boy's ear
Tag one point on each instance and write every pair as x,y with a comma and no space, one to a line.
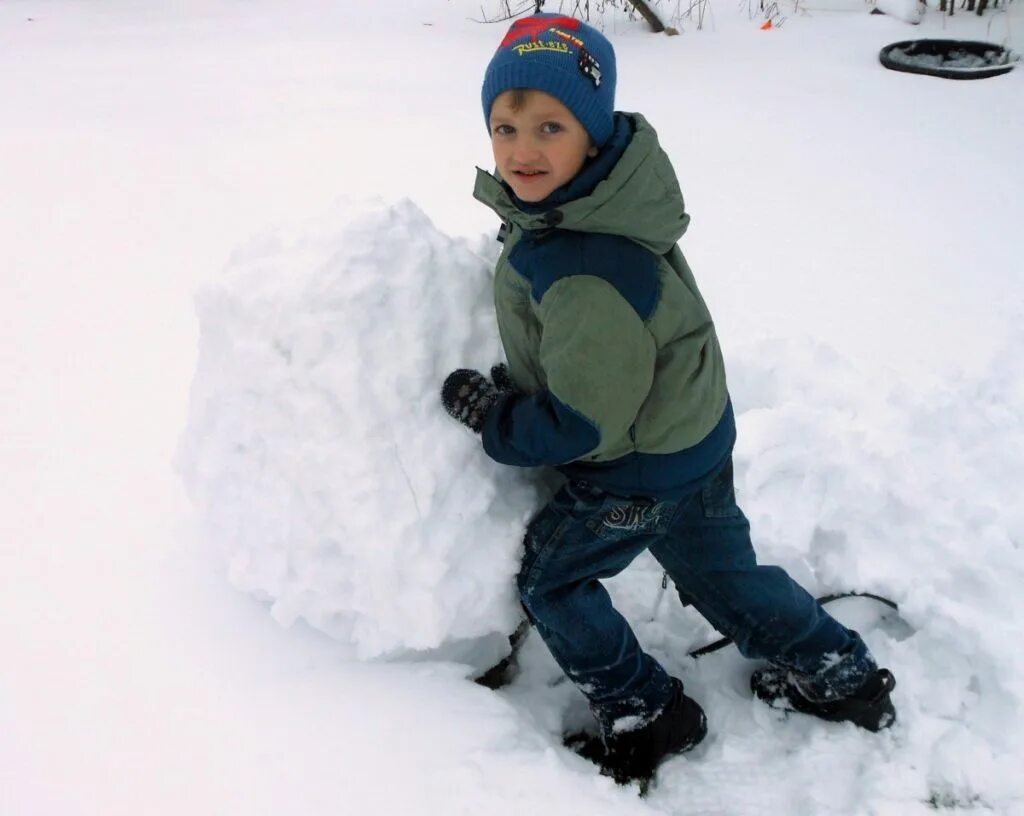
593,150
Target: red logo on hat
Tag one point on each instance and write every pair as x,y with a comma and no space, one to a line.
533,27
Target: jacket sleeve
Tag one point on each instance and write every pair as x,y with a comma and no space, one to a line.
598,357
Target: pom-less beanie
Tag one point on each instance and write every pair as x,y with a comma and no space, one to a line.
561,56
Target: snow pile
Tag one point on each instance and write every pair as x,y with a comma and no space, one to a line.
909,11
856,483
317,452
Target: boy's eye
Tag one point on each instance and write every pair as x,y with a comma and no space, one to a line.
550,127
504,130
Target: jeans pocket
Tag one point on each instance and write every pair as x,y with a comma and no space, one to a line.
620,519
718,497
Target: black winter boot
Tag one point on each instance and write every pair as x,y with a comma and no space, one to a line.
632,756
869,707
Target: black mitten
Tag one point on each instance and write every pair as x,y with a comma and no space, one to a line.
468,395
501,379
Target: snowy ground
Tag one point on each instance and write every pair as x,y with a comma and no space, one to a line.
855,231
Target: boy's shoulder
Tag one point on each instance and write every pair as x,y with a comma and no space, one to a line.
561,255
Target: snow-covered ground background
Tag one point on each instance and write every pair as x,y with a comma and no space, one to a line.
306,168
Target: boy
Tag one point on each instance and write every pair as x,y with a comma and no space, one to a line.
615,378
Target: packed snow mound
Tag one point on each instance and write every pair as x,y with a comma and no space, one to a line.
909,11
317,453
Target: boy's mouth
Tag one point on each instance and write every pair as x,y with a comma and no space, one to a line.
528,174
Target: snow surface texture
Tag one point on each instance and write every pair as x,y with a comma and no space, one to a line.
317,450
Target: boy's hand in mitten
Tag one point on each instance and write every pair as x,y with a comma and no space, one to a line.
468,395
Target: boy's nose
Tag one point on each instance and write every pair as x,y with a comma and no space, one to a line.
525,153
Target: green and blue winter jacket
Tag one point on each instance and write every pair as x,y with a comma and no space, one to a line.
620,376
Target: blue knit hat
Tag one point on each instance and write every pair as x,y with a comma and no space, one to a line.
561,56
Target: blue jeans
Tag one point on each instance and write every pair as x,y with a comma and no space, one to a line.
703,542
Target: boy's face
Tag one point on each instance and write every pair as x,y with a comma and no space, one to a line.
538,147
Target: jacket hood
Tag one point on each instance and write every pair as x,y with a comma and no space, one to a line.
639,198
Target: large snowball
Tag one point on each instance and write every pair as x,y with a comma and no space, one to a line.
317,453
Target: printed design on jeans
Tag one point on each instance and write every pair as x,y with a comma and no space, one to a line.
622,520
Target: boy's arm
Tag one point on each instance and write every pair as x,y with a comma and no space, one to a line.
599,360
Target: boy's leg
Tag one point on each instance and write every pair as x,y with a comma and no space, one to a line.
708,553
581,536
